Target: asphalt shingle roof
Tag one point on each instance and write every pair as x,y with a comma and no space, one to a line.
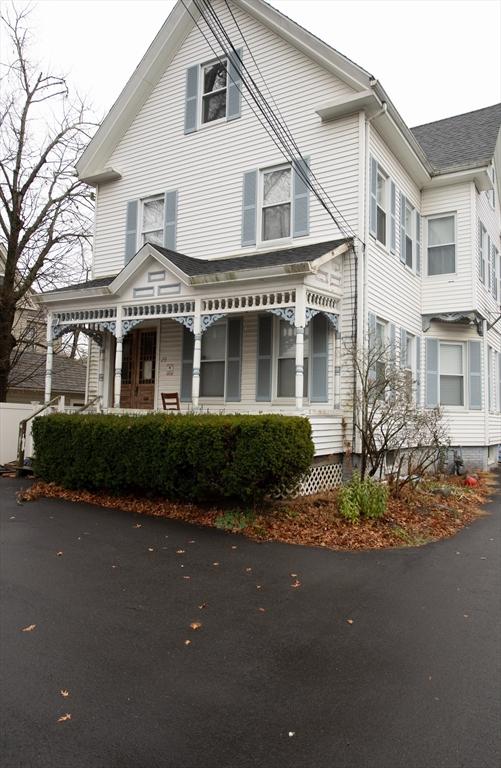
462,141
195,267
68,375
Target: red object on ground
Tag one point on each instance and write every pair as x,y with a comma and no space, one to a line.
471,480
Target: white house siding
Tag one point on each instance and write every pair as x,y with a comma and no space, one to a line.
394,290
207,167
450,293
491,219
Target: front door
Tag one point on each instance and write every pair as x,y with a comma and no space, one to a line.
138,369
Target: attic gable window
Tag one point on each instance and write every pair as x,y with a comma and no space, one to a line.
214,82
152,220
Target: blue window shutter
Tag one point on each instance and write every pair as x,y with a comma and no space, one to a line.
301,198
371,331
432,373
418,243
480,254
403,348
234,359
187,364
402,228
131,229
489,271
393,218
418,370
233,93
249,208
494,287
475,374
170,220
373,197
264,357
191,99
319,353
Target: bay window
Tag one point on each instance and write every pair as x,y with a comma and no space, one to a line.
441,245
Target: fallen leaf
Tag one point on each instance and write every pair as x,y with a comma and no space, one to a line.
234,546
293,575
295,584
248,570
187,642
349,621
187,578
150,549
191,541
258,586
29,628
180,551
466,615
263,610
195,625
12,517
215,563
203,605
65,717
59,554
137,525
64,693
292,733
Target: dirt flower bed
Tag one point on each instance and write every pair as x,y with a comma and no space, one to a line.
431,511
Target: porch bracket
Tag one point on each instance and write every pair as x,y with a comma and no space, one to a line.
208,320
128,325
463,318
92,333
286,313
310,314
187,321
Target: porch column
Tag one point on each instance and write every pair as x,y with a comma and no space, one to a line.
300,322
100,374
197,356
48,362
118,358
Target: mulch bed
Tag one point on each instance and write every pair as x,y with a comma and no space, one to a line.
417,518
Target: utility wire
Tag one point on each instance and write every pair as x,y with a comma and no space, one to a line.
271,133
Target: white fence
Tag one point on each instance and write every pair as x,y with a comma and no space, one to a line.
11,414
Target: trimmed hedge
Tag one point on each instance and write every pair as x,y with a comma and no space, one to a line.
183,457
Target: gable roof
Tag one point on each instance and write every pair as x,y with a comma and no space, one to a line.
68,374
92,165
462,141
199,268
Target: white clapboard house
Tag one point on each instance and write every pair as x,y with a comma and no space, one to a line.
219,275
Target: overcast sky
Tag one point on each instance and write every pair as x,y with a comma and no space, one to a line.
435,58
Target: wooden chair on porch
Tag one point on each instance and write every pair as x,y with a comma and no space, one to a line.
170,401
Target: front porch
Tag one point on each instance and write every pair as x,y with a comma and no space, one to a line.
269,345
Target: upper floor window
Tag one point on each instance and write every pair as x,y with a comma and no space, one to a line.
492,192
152,220
451,374
214,82
409,233
441,245
276,203
382,203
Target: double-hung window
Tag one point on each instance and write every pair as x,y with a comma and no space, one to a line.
286,360
382,202
441,245
214,84
409,233
451,373
483,252
152,220
213,361
276,184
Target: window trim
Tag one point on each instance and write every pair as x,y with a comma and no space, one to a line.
441,275
484,262
200,99
464,374
260,241
380,172
412,235
141,230
216,398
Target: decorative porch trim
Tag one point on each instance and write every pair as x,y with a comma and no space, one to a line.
310,314
464,318
93,333
186,320
208,320
128,325
286,313
331,316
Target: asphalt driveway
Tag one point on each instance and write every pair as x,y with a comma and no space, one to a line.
378,659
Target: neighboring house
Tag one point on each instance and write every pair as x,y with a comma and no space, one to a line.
218,274
30,324
27,379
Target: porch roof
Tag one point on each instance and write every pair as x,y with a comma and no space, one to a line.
194,268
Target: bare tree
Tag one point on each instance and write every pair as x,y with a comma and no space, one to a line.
395,432
45,211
